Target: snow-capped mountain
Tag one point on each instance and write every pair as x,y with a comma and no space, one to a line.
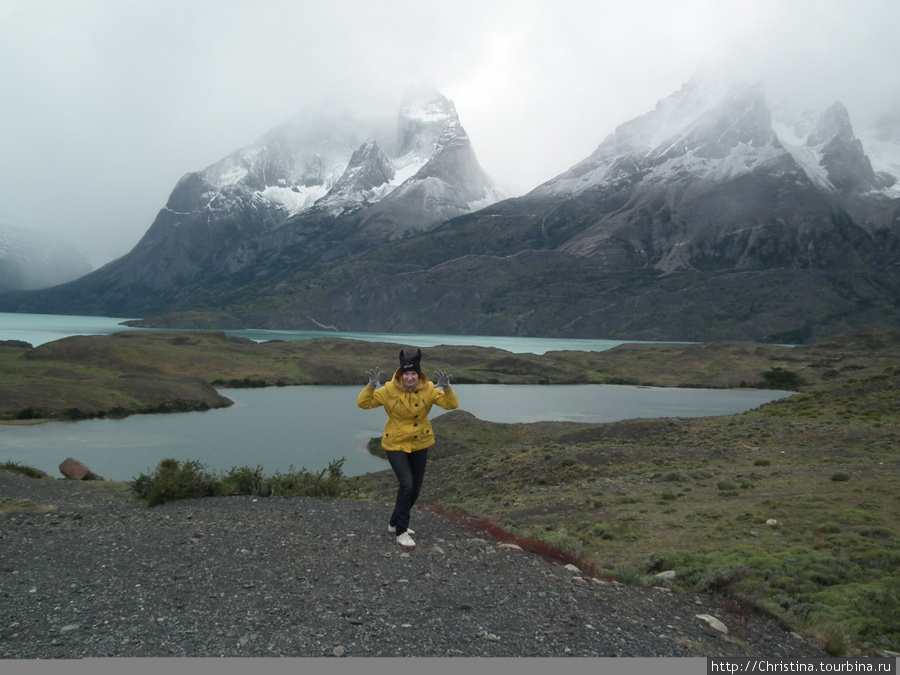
716,130
31,260
431,176
707,179
700,220
716,215
711,132
281,202
338,160
298,162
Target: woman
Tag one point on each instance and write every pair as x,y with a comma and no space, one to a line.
407,400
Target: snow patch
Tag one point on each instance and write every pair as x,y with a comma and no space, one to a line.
427,113
406,167
294,199
233,175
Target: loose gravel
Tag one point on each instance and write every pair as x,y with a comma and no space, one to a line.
103,576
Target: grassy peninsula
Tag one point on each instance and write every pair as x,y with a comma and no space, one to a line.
146,372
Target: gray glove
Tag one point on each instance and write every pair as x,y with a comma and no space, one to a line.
374,376
443,379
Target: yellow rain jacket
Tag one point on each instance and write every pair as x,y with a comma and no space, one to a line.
407,428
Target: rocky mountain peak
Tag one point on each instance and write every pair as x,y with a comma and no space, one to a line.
425,115
842,156
706,131
737,123
369,172
833,124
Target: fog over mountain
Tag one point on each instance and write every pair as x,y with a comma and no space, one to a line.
30,260
107,104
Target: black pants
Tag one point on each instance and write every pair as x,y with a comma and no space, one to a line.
409,468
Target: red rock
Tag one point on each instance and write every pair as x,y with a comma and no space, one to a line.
75,470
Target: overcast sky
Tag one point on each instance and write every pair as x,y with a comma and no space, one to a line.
105,104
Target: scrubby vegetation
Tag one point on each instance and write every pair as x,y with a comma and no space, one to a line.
173,480
29,471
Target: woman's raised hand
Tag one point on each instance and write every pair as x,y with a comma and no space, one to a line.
374,376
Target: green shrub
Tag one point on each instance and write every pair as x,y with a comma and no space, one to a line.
175,480
630,576
75,414
870,609
329,482
29,471
245,481
840,476
375,449
561,541
245,383
779,378
723,580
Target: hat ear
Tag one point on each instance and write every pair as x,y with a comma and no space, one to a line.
411,362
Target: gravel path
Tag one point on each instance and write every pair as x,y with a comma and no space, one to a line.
102,576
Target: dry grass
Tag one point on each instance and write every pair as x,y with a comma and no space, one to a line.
8,506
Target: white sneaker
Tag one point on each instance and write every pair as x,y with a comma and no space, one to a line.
405,540
393,530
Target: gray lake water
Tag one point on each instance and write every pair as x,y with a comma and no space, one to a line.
308,427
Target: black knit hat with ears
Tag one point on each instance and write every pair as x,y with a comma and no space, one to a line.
411,362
